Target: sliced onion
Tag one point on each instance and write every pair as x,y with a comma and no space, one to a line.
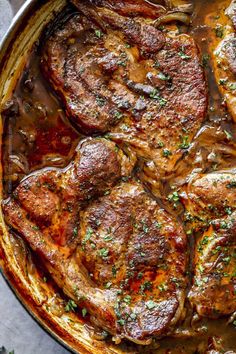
54,160
176,5
173,16
20,163
187,8
179,5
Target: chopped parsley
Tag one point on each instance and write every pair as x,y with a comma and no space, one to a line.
108,285
100,101
228,135
155,95
84,312
162,287
160,144
88,235
226,259
219,31
121,322
222,82
228,210
183,55
151,305
184,142
75,231
108,238
232,86
156,64
204,241
133,316
231,184
162,101
103,253
163,77
127,299
173,197
224,224
157,225
205,59
140,275
114,271
70,306
147,285
98,33
35,227
145,228
166,153
118,115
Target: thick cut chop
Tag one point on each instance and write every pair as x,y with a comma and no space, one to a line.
223,47
118,73
121,257
210,196
211,201
53,197
214,288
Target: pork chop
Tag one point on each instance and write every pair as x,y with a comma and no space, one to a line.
210,200
122,257
223,51
118,73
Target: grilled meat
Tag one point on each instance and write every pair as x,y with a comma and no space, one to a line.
210,200
120,74
122,257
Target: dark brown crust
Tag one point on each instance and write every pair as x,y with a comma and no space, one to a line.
210,199
106,85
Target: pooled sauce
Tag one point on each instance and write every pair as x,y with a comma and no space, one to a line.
41,136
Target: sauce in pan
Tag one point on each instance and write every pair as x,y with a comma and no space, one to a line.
37,134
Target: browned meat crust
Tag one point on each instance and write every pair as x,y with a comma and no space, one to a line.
213,291
210,199
231,12
132,8
116,73
122,256
223,49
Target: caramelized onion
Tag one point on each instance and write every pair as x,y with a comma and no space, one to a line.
96,333
176,5
54,160
180,5
19,163
173,16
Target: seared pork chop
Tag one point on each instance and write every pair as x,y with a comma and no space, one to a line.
211,201
214,288
122,257
118,73
223,49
